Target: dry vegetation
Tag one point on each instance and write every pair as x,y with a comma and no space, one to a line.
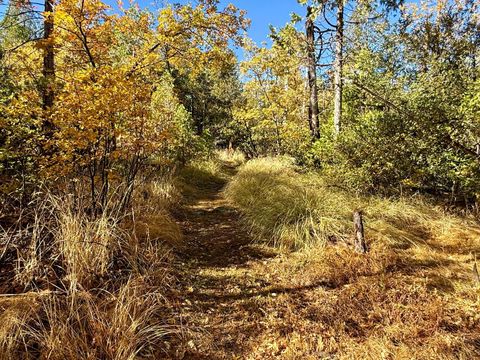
261,270
125,233
81,287
413,296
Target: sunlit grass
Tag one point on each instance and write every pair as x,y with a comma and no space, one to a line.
94,285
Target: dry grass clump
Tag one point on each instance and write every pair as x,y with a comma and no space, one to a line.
81,325
151,223
15,314
294,210
158,228
85,245
283,208
150,232
159,193
93,284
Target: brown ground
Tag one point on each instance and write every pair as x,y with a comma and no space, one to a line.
235,301
219,288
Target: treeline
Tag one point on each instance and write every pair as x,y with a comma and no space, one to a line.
381,96
90,97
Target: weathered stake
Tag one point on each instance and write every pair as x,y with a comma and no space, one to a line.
360,245
476,275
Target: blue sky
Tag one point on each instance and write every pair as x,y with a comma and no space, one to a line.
266,12
262,12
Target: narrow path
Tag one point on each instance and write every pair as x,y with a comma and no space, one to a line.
215,278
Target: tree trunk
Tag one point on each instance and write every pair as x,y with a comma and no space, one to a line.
48,57
199,117
312,77
338,68
360,245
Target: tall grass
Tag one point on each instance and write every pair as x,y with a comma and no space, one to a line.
85,245
282,207
93,285
231,157
413,296
81,325
291,209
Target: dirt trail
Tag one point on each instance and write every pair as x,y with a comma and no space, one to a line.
217,285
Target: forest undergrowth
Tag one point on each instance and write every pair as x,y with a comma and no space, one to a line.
77,286
170,188
227,259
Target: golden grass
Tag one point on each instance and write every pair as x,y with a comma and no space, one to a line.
203,172
158,194
156,228
15,314
80,325
283,208
86,246
96,283
294,210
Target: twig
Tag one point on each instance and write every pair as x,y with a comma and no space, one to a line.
34,293
476,275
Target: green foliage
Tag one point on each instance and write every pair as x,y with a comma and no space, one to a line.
410,107
182,144
269,117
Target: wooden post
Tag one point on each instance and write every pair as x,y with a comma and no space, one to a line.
359,241
476,275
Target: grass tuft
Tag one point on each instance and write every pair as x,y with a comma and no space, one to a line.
285,208
92,287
